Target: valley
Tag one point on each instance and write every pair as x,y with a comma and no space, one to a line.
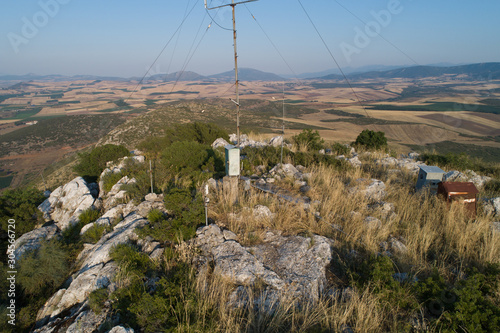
58,116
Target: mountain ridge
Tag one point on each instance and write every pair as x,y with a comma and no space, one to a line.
488,70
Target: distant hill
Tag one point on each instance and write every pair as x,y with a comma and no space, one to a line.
177,76
247,74
484,71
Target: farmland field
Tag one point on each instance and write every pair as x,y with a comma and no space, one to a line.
424,114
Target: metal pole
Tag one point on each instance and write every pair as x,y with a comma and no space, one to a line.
237,82
151,176
283,125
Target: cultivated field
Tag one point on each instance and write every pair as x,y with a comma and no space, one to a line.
413,113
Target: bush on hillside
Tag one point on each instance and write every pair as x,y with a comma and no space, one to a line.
309,139
371,140
190,159
201,133
93,163
187,214
46,267
21,205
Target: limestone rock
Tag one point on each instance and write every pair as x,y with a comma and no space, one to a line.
121,329
293,265
276,141
492,206
495,226
372,222
467,176
87,322
261,212
355,162
220,142
286,170
116,195
96,269
32,240
397,246
374,190
67,202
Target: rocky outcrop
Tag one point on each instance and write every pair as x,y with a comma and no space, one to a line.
220,142
96,271
292,266
31,240
116,195
492,207
409,163
373,189
467,176
66,203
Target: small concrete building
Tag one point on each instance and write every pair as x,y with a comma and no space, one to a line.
463,192
429,176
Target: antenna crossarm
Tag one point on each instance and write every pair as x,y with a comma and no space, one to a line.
229,4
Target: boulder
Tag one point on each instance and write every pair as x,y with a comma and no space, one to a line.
261,212
492,206
67,202
286,170
87,322
292,265
31,240
276,141
495,226
397,246
372,222
372,190
116,195
355,162
467,176
121,329
220,142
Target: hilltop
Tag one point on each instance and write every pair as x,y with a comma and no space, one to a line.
338,240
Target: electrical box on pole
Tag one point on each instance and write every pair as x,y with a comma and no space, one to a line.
232,160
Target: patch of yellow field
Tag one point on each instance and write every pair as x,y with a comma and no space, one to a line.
8,121
52,111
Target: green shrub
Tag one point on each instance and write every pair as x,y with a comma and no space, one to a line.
88,216
192,160
201,133
467,306
110,179
371,140
310,139
155,215
92,164
187,214
340,149
93,234
97,299
21,205
46,267
131,259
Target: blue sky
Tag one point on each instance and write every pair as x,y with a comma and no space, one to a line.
124,37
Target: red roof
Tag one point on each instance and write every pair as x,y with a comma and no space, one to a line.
462,187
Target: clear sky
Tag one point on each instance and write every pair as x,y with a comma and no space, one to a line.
124,37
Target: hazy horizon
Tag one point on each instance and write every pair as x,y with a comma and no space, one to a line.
123,38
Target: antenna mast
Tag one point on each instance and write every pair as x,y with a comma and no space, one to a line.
236,81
